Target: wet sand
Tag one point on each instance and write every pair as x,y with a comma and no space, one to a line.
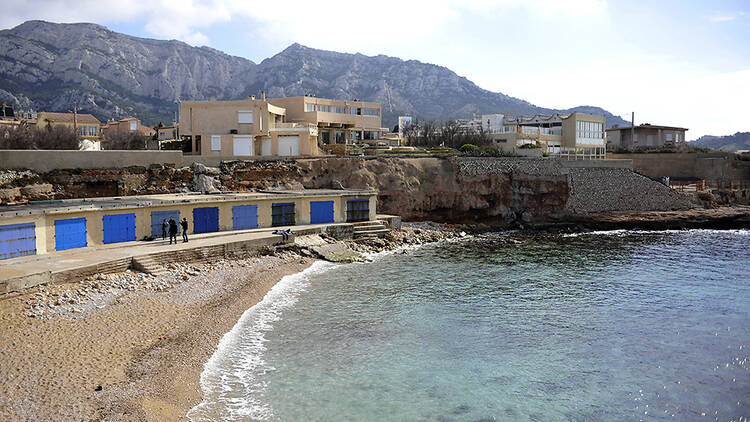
127,355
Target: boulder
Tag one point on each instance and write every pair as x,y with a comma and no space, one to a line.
205,184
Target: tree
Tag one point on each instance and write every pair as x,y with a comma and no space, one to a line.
25,136
125,141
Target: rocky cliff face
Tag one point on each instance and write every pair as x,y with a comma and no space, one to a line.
48,66
457,190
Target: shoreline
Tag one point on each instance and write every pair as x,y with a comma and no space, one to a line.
130,346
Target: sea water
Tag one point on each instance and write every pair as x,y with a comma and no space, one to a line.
604,326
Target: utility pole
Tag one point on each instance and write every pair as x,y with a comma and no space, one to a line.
632,128
75,117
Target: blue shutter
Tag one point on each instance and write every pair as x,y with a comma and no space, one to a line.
321,212
158,216
70,233
244,217
205,220
17,240
118,228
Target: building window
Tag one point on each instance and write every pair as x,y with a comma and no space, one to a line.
325,136
339,109
309,107
340,137
370,112
133,125
356,135
371,134
355,110
324,108
215,143
282,214
245,116
669,137
589,130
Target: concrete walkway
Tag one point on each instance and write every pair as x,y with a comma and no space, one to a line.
23,272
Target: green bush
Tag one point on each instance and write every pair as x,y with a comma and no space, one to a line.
468,148
529,146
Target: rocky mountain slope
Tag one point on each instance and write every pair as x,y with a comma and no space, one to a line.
49,66
732,143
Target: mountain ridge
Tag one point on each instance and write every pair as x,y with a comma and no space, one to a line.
49,66
732,143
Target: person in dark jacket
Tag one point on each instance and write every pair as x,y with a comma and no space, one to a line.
172,231
184,225
164,226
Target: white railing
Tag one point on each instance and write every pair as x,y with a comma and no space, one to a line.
582,153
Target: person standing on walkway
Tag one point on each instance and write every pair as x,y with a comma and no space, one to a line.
184,225
172,231
164,226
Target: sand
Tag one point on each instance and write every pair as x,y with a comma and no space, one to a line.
136,355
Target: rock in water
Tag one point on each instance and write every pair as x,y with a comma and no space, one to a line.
337,252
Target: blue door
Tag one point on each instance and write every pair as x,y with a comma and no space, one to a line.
70,233
205,220
244,217
321,212
158,216
119,228
17,240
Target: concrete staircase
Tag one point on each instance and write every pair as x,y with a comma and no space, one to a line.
148,264
369,229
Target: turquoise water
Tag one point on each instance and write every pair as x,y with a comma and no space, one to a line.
615,326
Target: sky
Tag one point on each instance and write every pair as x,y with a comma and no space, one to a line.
680,63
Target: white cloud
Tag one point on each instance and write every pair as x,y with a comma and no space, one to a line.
726,17
659,89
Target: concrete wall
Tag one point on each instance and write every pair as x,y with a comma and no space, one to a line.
610,164
706,166
48,160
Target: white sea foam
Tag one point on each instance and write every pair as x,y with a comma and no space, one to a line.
624,232
238,359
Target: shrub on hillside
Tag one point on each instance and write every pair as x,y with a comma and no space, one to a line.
468,148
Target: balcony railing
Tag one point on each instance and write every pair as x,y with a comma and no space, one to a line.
576,153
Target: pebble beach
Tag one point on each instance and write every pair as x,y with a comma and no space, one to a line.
131,346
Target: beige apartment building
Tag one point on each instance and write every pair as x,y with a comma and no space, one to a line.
293,126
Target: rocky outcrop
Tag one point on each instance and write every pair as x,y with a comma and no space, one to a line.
493,191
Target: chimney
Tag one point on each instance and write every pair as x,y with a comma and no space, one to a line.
263,95
251,97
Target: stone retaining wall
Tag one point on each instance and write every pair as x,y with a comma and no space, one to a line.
606,190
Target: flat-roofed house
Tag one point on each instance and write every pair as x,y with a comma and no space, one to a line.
645,136
338,121
294,126
566,135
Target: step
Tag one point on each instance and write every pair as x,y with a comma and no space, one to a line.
368,234
147,265
369,228
365,223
